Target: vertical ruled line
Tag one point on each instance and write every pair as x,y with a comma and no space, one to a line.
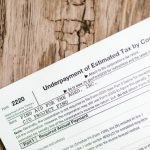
35,98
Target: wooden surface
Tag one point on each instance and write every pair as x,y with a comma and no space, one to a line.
36,33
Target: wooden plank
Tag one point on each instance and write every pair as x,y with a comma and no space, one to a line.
114,15
36,33
2,32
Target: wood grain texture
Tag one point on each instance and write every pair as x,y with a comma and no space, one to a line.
36,33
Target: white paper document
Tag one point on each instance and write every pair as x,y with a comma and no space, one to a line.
96,99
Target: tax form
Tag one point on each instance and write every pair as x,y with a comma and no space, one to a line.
96,99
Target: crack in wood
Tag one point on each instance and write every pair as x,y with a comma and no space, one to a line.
48,57
2,25
75,29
